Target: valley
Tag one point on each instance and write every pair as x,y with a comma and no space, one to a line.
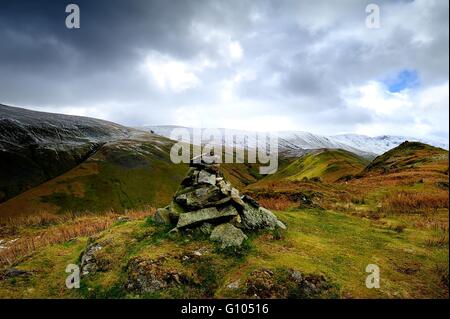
343,210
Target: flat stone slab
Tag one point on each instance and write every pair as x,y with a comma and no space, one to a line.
200,197
204,215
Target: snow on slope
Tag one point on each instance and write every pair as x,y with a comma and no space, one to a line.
289,143
295,142
381,144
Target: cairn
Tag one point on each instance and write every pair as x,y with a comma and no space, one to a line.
206,201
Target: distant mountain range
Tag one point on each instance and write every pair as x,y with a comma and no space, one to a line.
295,143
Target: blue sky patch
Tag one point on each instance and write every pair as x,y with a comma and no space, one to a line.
405,79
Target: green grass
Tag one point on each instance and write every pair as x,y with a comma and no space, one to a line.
328,165
341,246
336,245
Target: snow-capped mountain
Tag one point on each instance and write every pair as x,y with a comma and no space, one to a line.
381,144
296,142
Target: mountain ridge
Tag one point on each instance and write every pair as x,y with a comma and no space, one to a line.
294,143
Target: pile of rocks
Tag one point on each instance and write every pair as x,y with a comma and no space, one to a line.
206,201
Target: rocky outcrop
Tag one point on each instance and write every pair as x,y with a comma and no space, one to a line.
206,201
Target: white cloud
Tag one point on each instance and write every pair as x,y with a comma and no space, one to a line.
420,113
236,51
170,74
375,97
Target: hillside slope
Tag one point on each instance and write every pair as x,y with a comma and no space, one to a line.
123,174
328,165
408,156
38,146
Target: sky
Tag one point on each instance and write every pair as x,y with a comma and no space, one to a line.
257,65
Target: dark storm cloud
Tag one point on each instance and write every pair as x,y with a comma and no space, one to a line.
313,63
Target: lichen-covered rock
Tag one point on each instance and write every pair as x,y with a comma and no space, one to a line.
251,201
206,195
234,194
205,214
162,216
228,235
151,275
205,177
258,218
88,259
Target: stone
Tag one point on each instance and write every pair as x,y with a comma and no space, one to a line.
258,218
174,212
201,197
203,215
152,275
191,177
228,236
205,177
88,260
236,221
281,225
225,187
206,228
206,199
236,197
250,201
234,285
162,216
206,162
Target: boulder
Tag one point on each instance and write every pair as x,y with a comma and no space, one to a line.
258,218
205,214
228,235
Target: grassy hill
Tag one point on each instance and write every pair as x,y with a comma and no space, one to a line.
329,165
125,174
408,156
